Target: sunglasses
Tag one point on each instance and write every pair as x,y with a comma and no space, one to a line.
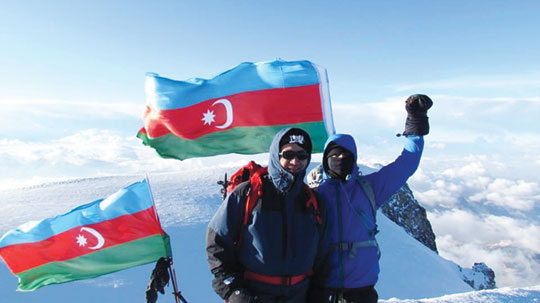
289,155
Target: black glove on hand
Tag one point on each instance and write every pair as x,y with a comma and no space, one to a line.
417,120
158,279
241,296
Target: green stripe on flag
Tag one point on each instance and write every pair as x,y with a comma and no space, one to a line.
240,140
115,258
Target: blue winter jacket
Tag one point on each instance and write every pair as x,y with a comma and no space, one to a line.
351,217
282,237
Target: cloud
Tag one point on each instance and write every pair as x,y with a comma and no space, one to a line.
511,121
86,153
440,193
502,123
79,149
509,246
518,194
482,213
92,153
446,183
472,169
490,230
386,113
48,108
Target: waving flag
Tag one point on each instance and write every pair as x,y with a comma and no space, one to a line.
94,239
238,111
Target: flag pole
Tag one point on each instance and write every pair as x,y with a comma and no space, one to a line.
151,196
177,294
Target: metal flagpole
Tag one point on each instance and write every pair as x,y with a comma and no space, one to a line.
152,196
172,273
177,293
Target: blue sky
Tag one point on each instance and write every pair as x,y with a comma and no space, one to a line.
72,93
71,66
100,51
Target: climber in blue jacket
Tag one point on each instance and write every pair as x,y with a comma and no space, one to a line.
352,201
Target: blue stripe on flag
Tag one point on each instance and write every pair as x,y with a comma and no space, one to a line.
128,200
164,94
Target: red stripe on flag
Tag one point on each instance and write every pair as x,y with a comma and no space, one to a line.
64,246
267,107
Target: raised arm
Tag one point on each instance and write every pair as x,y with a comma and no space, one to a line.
391,177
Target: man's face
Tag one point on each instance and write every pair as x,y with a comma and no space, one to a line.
293,158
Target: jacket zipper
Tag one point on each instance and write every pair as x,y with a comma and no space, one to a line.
340,229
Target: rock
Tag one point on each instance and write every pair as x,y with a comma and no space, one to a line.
479,277
404,210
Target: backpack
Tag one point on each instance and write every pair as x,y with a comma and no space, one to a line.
254,173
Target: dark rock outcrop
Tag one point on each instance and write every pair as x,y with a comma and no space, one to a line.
479,277
404,210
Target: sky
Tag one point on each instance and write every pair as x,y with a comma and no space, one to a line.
72,96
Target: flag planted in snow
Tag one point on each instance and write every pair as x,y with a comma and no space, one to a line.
94,239
238,111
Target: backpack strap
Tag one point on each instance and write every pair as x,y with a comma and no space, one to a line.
368,190
253,194
313,204
352,247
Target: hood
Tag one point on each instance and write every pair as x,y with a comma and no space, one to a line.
345,141
282,179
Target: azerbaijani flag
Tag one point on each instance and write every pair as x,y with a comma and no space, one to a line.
238,111
91,240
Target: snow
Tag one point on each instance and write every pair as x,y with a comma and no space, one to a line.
506,295
427,274
185,202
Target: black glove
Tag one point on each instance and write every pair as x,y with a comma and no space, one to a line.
241,296
417,120
158,279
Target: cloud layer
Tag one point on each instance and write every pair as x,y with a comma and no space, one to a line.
91,153
480,217
86,153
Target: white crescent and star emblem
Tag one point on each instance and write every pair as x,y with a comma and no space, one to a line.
81,239
209,116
